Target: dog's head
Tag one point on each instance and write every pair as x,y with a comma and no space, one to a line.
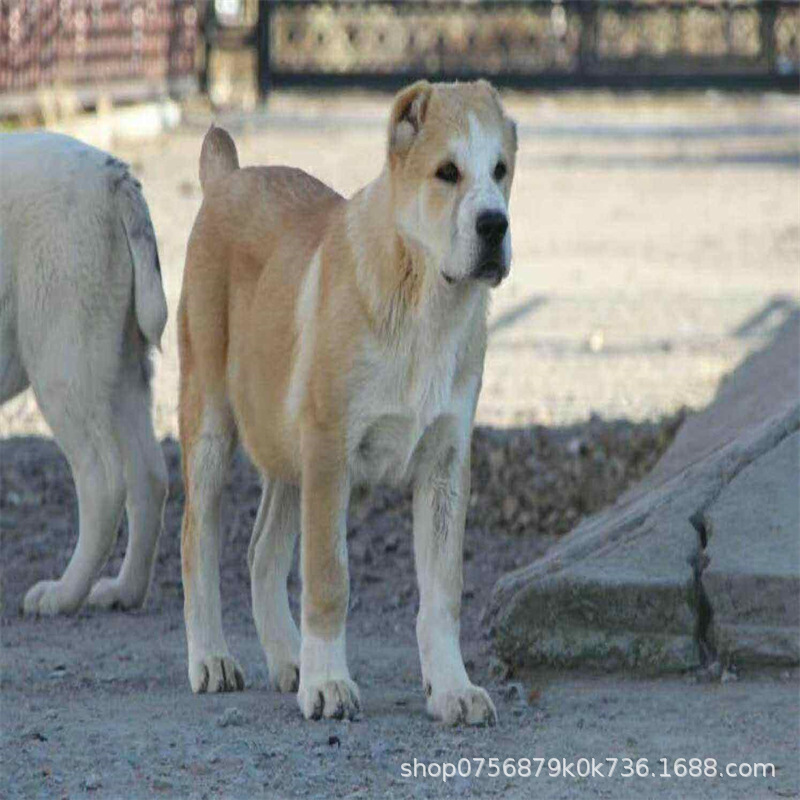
451,160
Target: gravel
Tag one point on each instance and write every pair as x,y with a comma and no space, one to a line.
100,703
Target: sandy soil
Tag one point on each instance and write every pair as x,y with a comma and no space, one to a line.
656,243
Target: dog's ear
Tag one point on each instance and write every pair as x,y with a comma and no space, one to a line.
408,116
510,125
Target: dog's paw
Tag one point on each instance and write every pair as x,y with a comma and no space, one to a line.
470,705
215,674
285,678
338,699
109,594
45,599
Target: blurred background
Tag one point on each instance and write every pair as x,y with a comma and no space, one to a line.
656,207
655,218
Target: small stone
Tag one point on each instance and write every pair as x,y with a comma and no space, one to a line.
358,550
230,717
514,691
728,676
714,670
497,459
499,669
92,782
510,506
596,341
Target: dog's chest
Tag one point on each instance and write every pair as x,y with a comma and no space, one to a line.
395,401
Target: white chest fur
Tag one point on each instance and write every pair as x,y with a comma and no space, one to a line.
397,395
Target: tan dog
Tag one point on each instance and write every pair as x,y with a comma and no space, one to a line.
342,341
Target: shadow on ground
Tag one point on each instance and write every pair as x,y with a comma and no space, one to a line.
528,485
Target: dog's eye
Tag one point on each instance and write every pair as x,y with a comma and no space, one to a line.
500,171
448,173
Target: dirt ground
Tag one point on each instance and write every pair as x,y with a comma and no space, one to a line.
657,242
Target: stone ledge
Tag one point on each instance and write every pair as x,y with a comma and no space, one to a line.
699,562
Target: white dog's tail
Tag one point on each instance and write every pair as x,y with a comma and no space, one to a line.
218,156
148,293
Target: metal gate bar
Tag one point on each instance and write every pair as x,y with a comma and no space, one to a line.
530,43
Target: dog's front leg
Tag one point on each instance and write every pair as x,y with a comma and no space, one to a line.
441,492
326,689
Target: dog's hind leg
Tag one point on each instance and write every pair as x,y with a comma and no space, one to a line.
270,559
86,436
146,482
208,439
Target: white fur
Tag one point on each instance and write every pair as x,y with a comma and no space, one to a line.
391,414
305,327
441,492
401,429
211,667
479,154
80,298
270,559
326,688
456,253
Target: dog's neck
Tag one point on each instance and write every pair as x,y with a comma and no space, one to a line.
400,286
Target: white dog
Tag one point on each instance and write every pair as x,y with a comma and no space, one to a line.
81,303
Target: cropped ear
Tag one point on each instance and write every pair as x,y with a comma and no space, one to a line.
408,116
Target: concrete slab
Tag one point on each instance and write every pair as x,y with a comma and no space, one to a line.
700,562
752,577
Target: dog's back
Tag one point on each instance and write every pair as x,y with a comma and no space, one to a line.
66,207
250,247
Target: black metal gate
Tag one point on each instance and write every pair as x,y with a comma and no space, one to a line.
531,43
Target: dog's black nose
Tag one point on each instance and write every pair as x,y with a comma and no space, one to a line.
492,226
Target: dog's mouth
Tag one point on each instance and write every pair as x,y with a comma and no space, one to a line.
491,272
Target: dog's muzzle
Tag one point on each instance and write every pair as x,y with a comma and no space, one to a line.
491,227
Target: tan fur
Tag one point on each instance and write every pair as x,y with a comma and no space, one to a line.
291,295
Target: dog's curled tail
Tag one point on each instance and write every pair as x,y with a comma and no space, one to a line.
150,303
218,156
